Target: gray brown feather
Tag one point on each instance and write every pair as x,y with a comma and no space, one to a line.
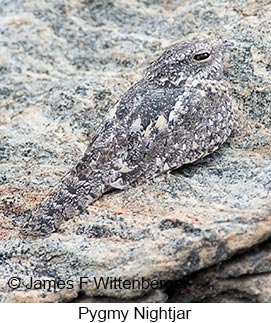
177,113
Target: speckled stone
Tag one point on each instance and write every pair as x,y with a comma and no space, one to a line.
63,64
244,278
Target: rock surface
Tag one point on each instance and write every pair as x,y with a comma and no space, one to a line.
244,278
63,64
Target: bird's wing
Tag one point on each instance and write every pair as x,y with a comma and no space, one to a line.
194,124
152,130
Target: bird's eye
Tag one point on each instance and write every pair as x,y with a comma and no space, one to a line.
200,57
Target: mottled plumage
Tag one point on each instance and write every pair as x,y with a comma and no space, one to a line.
177,113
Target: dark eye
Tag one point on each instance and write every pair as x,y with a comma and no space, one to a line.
201,56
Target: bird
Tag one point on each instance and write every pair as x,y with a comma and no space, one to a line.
177,113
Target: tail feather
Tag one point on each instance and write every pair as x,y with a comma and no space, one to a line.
66,200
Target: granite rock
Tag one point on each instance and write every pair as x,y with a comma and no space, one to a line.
63,64
244,278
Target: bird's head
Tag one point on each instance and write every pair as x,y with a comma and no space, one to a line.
198,59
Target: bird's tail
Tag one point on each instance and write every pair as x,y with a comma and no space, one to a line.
65,201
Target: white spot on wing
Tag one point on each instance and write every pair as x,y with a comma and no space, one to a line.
125,169
118,184
148,130
194,145
172,115
163,79
161,123
166,167
158,161
135,127
177,105
112,112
